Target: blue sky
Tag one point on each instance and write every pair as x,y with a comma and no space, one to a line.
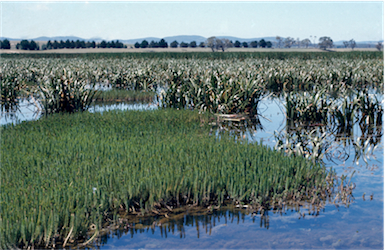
361,21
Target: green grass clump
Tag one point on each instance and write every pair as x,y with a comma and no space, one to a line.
64,174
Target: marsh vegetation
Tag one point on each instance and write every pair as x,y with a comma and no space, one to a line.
76,173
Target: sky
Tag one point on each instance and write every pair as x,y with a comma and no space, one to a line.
358,20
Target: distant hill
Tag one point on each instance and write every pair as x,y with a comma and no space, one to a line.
133,41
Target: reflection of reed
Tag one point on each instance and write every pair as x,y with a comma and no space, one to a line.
312,124
238,125
208,218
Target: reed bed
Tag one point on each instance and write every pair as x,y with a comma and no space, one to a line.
66,175
341,112
230,85
316,119
64,91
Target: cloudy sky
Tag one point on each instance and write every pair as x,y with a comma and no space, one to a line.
359,20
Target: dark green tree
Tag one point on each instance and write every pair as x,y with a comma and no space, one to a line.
269,44
254,44
245,45
237,44
33,45
202,45
193,44
55,45
72,44
5,44
163,44
49,45
62,44
103,44
174,44
77,44
153,44
119,45
68,44
24,45
262,43
144,44
183,45
137,45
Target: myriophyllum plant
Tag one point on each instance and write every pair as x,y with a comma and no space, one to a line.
65,91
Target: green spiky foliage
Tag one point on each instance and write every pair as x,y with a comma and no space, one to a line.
66,174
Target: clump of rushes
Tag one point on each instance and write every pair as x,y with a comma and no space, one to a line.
87,167
214,92
306,108
150,72
11,88
65,91
119,95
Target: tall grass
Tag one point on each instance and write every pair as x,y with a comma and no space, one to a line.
67,174
65,91
10,88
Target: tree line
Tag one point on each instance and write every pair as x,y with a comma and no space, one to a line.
324,43
32,45
82,44
212,42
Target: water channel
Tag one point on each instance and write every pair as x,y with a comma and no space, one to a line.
359,226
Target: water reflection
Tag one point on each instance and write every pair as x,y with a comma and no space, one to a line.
327,143
203,220
28,110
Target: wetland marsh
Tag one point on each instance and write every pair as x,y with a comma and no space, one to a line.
244,152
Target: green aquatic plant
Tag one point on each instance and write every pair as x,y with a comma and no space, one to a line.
307,108
219,82
11,88
65,91
86,168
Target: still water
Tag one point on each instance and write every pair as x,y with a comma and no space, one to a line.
359,226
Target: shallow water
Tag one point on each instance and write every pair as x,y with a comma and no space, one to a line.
359,226
28,111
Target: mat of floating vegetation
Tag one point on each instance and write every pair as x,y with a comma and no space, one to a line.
66,175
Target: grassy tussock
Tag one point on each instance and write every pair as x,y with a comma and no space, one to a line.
66,174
